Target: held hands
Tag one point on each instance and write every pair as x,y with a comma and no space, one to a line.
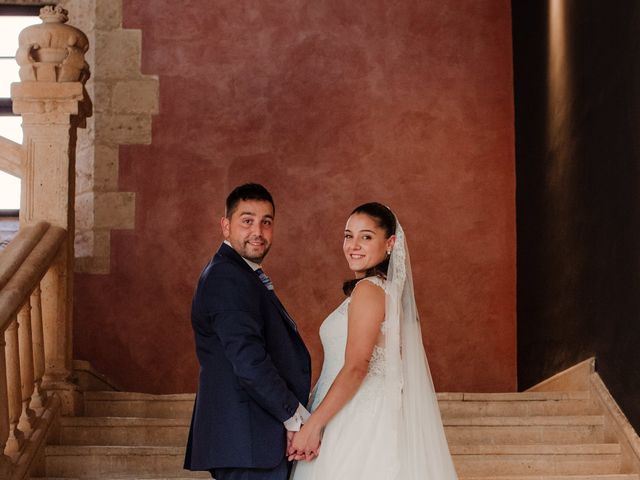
305,444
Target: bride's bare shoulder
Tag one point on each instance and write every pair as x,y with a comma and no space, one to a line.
368,293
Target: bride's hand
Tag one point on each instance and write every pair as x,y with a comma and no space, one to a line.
306,443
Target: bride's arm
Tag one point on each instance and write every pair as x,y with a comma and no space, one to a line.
366,314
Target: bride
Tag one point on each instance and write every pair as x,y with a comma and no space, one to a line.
374,406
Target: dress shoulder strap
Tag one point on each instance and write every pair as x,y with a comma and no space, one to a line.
376,281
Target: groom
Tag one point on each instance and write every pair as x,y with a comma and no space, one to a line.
255,371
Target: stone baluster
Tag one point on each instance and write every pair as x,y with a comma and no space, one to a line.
5,462
39,394
27,417
53,103
16,437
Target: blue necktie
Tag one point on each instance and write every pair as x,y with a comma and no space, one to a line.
266,281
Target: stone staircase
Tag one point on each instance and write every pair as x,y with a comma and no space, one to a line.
505,436
530,436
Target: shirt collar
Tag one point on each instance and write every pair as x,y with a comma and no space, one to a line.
254,266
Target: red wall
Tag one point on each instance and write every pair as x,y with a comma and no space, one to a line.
329,104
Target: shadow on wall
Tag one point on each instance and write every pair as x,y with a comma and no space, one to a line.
577,67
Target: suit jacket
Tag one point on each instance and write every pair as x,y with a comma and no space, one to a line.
254,369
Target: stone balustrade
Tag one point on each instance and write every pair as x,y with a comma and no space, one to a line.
23,265
36,268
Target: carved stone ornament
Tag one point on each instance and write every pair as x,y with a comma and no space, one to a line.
52,51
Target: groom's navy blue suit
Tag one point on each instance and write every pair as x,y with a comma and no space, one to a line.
254,369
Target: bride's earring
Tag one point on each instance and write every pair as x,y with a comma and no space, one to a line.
388,252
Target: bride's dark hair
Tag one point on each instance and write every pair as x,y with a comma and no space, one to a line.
386,220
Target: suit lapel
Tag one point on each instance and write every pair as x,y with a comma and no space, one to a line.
283,311
228,252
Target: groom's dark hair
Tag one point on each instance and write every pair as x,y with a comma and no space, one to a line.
248,191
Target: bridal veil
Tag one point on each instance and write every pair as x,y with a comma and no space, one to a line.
414,416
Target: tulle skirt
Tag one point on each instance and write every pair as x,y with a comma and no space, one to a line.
358,443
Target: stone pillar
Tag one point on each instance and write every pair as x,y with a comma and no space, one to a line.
53,103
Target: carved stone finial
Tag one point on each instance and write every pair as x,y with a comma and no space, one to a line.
54,14
52,51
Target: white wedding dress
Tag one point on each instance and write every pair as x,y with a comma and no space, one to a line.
391,428
355,443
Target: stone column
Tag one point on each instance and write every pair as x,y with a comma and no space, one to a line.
53,103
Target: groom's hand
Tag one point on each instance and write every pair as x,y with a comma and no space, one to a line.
290,436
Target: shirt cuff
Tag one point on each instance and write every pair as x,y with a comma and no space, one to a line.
295,423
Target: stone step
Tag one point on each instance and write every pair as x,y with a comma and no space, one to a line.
131,404
512,396
133,477
525,430
113,462
492,430
516,404
452,405
121,431
476,460
613,476
511,460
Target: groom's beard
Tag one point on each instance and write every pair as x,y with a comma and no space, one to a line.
249,251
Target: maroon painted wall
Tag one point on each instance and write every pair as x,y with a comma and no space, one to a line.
329,104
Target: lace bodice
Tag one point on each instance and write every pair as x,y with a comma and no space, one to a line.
333,334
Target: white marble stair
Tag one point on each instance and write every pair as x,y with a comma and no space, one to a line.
498,436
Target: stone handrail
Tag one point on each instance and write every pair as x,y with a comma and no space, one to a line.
23,400
12,155
23,264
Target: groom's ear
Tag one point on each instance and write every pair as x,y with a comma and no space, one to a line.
224,225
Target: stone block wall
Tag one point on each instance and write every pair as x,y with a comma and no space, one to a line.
124,101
